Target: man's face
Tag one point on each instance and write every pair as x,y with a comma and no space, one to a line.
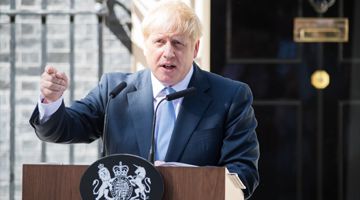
170,55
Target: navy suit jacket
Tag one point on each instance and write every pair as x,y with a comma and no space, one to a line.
214,127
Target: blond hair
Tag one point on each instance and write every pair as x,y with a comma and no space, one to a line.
172,16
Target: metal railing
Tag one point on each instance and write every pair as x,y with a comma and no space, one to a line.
105,15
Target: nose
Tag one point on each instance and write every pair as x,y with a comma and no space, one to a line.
168,51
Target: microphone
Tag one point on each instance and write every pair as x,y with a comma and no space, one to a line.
169,97
117,89
180,94
112,95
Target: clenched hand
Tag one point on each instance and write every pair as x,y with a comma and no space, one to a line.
53,84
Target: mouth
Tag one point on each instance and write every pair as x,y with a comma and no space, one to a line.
168,66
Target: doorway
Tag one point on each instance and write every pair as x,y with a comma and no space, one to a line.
309,138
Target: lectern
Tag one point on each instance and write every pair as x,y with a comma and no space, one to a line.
61,182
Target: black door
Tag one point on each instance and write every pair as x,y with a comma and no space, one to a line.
310,138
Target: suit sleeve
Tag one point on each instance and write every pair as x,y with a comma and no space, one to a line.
80,123
240,151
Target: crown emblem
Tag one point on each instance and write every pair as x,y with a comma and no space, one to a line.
120,170
100,166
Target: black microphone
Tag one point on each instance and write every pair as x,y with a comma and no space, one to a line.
117,89
112,95
168,97
180,94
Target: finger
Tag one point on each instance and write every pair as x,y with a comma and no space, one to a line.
65,77
46,76
48,93
50,69
52,88
62,75
54,78
51,85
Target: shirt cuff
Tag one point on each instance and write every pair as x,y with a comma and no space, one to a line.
47,109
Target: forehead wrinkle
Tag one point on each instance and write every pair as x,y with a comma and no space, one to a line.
170,36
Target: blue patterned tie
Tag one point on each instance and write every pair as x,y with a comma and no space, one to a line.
166,121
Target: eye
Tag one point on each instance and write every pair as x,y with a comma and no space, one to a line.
177,43
159,41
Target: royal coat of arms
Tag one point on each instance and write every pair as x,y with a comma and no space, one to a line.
122,186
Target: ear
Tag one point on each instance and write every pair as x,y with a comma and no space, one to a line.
196,48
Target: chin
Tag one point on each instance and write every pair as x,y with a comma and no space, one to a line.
167,82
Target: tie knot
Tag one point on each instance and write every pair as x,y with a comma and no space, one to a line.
169,90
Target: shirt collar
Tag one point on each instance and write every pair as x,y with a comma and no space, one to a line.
157,86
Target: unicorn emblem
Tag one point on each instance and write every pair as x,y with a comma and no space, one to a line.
137,181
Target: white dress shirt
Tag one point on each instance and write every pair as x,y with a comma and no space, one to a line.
159,94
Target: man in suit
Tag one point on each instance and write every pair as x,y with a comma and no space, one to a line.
213,127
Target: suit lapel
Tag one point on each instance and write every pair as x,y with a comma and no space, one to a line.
141,112
190,113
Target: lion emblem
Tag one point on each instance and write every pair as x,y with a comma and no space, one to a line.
106,184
